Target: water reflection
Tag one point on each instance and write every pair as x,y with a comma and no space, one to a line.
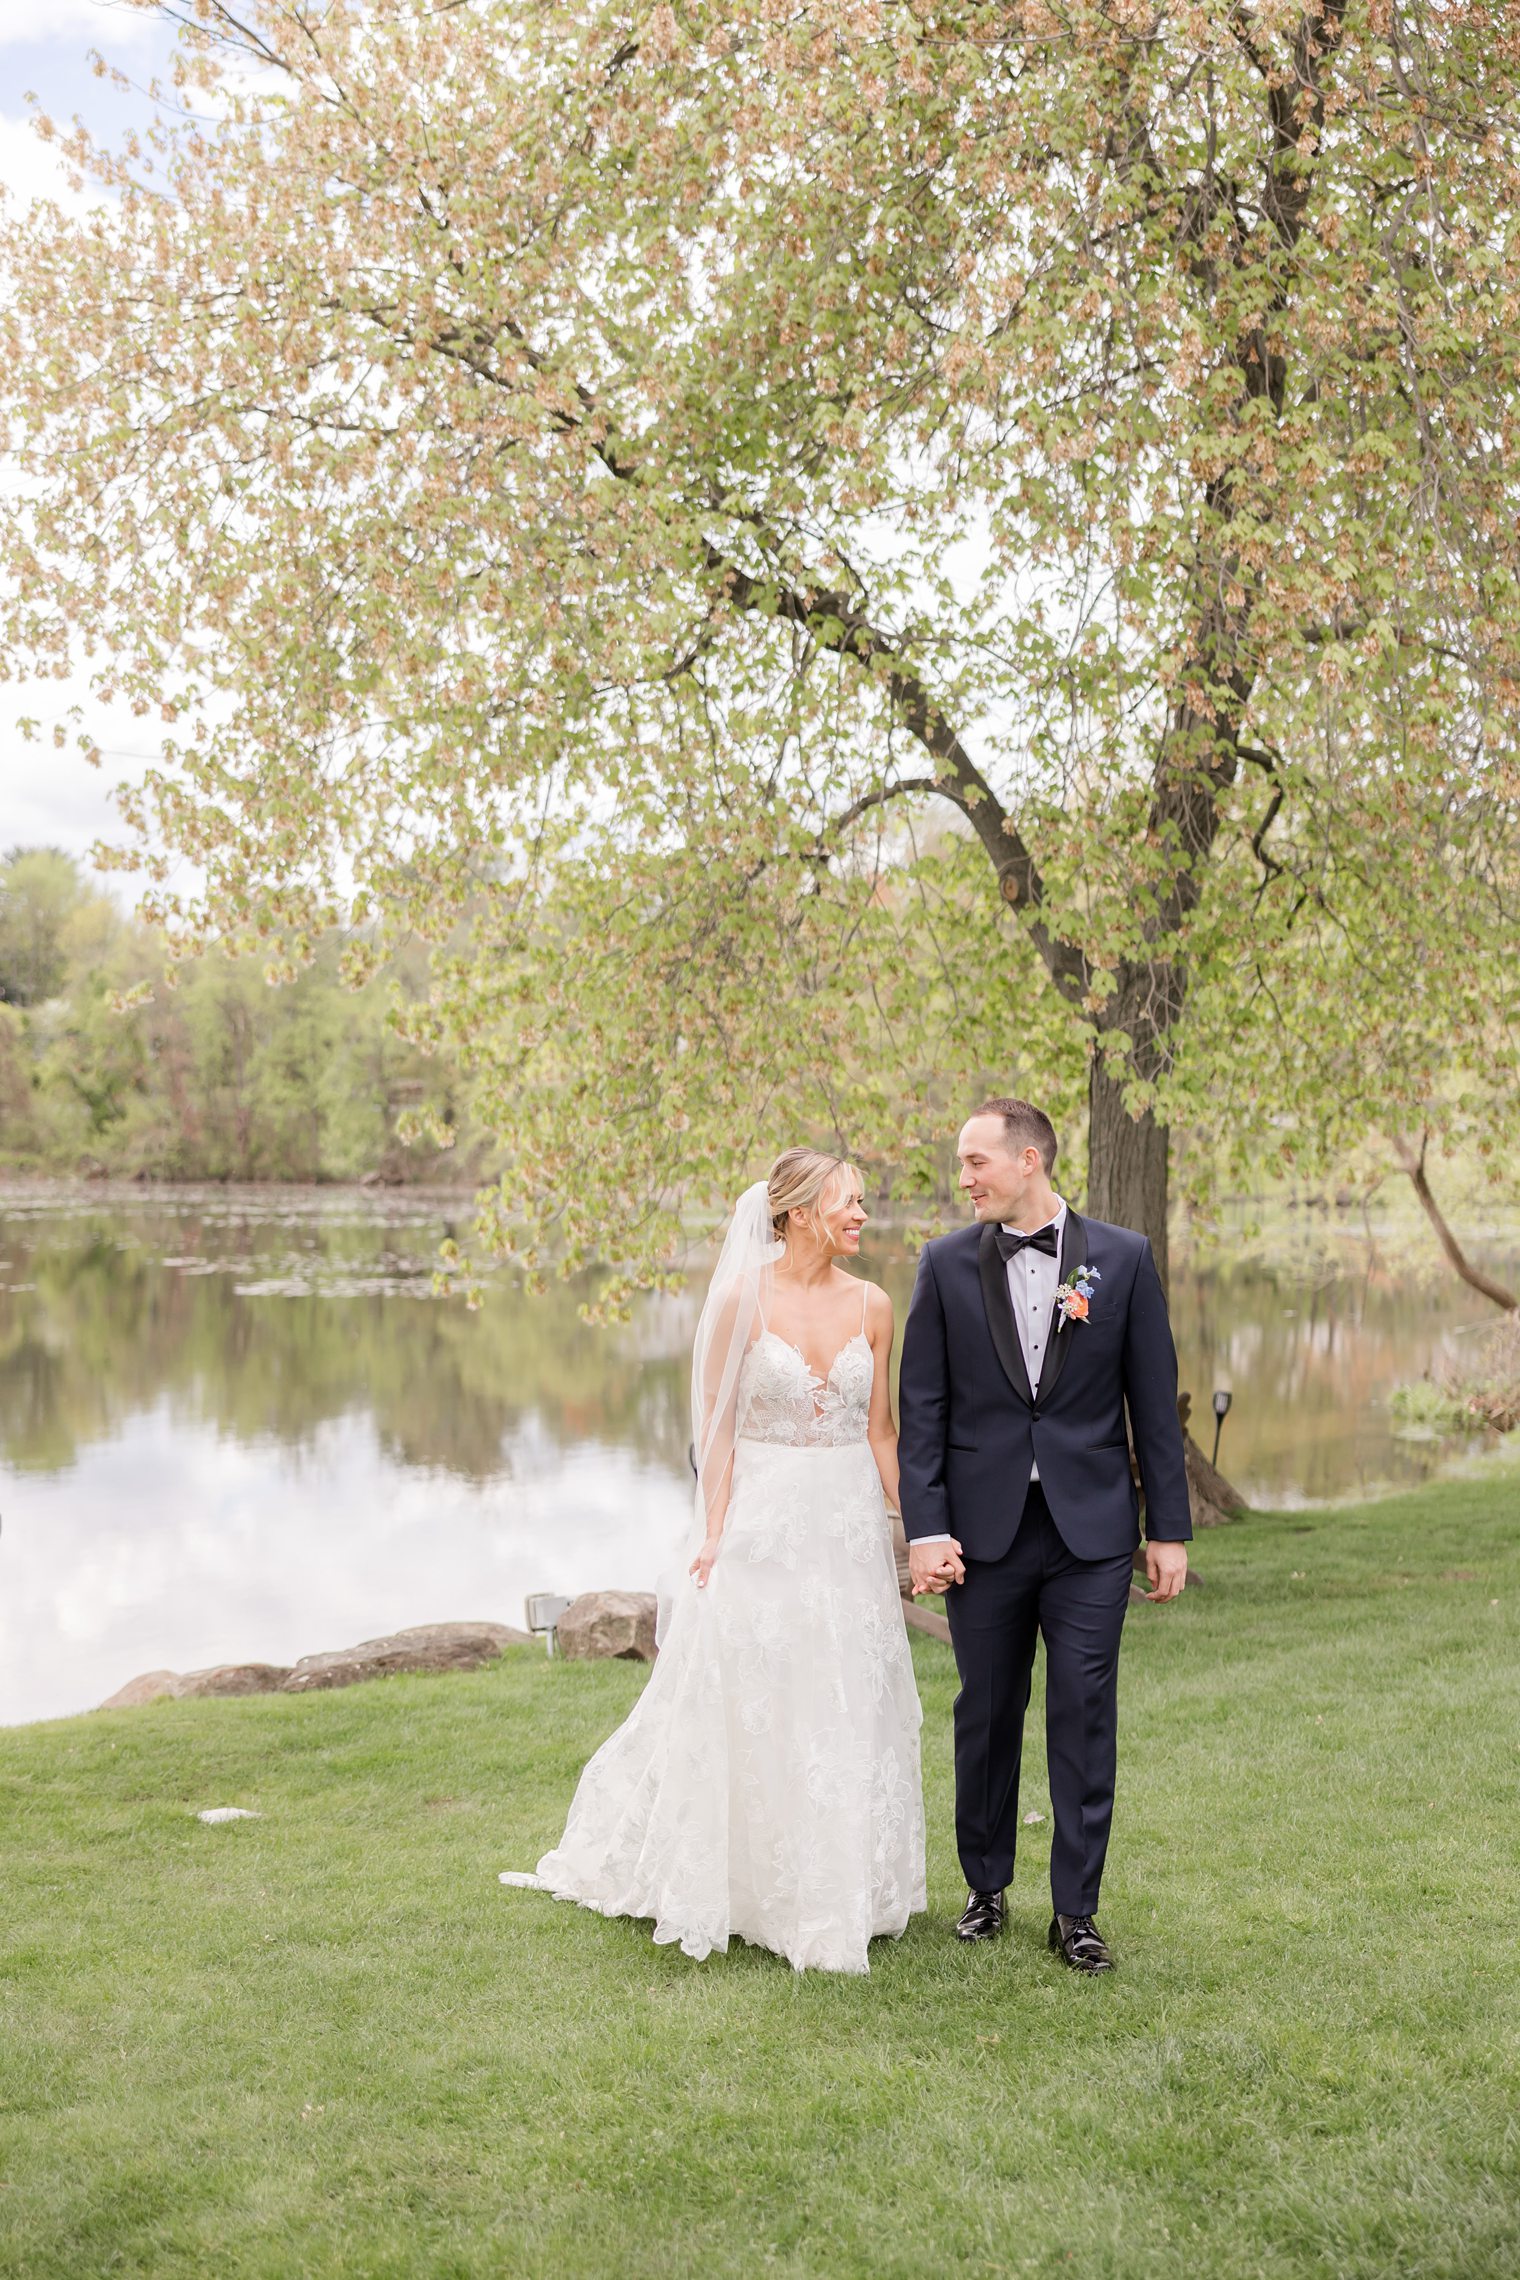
272,1322
238,1423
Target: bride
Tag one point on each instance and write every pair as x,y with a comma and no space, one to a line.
766,1783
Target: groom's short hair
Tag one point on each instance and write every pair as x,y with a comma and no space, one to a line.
1024,1126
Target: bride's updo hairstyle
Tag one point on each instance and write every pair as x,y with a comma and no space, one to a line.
799,1180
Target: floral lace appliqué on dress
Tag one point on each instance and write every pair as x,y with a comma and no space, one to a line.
782,1400
766,1783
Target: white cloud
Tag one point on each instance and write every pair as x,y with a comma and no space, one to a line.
95,23
53,799
31,168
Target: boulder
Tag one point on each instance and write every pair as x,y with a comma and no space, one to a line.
426,1647
177,1685
235,1678
608,1623
151,1686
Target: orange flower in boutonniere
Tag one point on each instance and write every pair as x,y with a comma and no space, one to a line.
1073,1298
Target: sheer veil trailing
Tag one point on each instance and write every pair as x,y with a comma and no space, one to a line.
726,1328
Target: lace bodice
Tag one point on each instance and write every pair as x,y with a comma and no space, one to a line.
781,1399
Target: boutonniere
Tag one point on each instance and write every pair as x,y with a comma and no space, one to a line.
1072,1298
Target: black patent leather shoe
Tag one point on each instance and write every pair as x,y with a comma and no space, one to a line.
1078,1941
982,1916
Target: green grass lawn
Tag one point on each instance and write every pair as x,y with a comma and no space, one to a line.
328,2042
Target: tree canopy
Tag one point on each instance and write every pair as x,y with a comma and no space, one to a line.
818,552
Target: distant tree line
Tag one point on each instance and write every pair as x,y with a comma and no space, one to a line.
116,1060
113,1060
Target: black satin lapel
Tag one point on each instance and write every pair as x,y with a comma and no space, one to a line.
1073,1255
999,1306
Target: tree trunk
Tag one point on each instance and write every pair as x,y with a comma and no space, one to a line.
1211,1496
1127,1164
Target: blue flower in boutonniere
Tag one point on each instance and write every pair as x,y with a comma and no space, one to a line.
1073,1298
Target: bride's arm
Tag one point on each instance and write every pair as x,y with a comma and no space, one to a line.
881,1431
717,1513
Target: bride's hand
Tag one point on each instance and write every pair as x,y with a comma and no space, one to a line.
701,1566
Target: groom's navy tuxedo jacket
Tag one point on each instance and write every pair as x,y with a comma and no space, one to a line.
970,1426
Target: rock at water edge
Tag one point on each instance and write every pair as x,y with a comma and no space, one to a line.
608,1623
427,1647
235,1678
149,1686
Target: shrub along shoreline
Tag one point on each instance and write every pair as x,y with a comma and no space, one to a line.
327,2041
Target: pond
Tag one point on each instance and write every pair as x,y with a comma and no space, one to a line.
237,1425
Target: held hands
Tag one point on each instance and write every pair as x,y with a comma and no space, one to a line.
934,1567
702,1566
1165,1569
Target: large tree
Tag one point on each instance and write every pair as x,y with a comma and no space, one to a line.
589,484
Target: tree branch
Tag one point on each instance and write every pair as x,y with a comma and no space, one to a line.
1287,193
1473,1276
835,624
1207,721
838,824
1270,868
830,617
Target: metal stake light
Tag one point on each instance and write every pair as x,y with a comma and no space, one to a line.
1222,1400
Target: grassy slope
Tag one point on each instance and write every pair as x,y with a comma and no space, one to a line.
327,2042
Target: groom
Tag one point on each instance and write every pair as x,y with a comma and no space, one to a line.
1028,1336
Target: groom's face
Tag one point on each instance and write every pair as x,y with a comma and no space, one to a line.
998,1180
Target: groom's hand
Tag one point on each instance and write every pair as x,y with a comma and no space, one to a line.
1165,1569
934,1567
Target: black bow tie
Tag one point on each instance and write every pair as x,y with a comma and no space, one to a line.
1043,1239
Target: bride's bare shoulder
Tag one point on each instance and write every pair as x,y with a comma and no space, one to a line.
878,1307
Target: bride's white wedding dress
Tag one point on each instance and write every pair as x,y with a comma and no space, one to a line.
766,1784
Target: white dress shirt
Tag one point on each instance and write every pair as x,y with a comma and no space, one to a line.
1032,1280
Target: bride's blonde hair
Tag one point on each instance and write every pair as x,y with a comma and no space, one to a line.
797,1181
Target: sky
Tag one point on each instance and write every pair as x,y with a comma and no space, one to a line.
50,798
